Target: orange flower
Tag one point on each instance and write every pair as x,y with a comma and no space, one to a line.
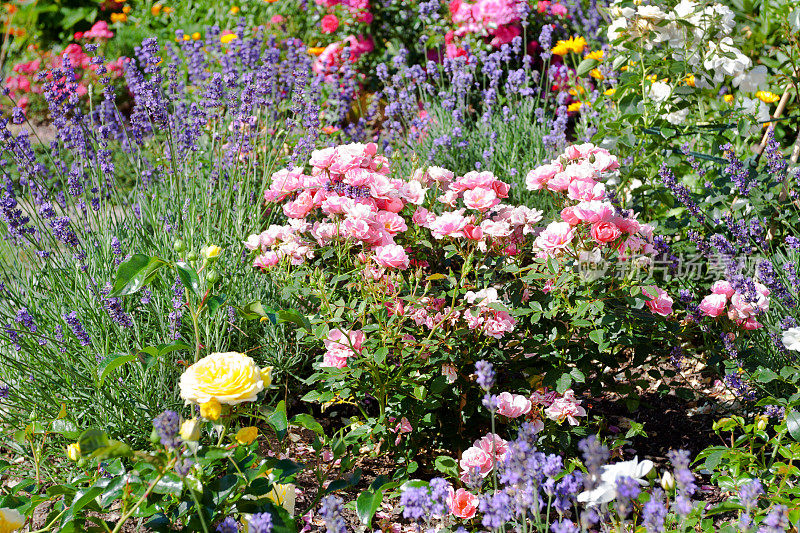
596,74
119,17
316,50
156,9
597,55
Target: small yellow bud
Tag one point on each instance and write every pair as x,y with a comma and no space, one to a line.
196,36
211,251
761,423
247,435
211,410
74,451
190,430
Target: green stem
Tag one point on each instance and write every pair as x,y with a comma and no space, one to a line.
124,517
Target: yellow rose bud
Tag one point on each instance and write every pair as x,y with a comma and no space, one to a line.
247,435
190,430
211,410
728,98
761,423
74,451
10,520
227,378
211,251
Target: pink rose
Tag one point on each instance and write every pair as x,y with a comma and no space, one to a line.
513,405
480,199
475,458
494,445
661,304
713,304
594,211
391,222
422,217
266,260
448,224
539,176
556,236
462,503
391,256
565,408
568,216
558,10
329,24
473,232
722,287
586,189
604,232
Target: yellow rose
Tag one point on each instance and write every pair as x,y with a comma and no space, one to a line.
190,430
211,410
247,435
228,37
74,451
10,520
196,36
211,251
229,378
283,495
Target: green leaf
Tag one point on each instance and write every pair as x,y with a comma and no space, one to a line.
287,315
67,428
446,465
254,311
308,422
765,375
585,66
112,363
278,420
563,383
597,336
135,273
188,277
215,302
169,484
92,440
794,20
793,424
81,500
367,505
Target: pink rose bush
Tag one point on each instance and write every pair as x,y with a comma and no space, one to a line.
409,273
483,456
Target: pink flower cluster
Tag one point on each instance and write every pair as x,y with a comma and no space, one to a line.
340,346
98,31
25,80
660,303
740,309
333,56
482,456
559,407
498,20
359,9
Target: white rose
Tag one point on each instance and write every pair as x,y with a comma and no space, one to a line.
791,339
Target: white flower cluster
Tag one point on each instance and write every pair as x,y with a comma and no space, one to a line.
699,35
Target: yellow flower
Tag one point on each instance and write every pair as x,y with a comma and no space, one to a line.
126,9
229,378
190,430
574,107
596,74
156,9
767,97
610,92
597,55
74,451
283,495
211,251
168,10
728,98
577,44
652,78
211,410
234,10
196,36
186,38
623,68
228,37
573,44
316,50
10,520
118,17
560,49
689,80
247,435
